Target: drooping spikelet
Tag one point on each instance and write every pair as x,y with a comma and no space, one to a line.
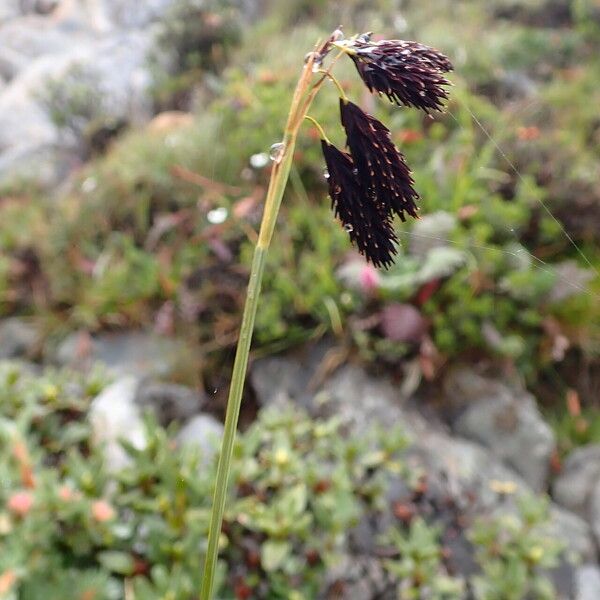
368,225
380,167
406,72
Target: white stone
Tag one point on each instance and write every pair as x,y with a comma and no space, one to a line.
114,415
204,432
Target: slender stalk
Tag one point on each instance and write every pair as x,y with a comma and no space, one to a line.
337,84
303,96
319,128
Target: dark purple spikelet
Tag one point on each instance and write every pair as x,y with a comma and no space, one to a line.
370,227
381,168
407,73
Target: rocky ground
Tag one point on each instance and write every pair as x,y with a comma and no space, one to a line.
480,443
495,435
102,47
488,445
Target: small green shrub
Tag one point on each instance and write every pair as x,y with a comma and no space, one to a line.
574,430
513,551
193,37
299,487
419,567
76,105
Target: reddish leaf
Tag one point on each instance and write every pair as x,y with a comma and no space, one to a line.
402,323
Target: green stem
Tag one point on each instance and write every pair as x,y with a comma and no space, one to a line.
319,128
337,84
279,175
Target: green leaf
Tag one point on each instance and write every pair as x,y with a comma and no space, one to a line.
441,262
274,553
294,501
117,562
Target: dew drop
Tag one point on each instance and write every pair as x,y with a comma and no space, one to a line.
348,227
258,161
326,173
276,152
217,215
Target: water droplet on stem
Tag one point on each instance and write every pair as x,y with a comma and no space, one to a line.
276,152
258,161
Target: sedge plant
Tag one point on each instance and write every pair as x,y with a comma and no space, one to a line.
369,184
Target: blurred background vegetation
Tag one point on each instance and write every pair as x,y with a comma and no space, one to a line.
162,219
155,231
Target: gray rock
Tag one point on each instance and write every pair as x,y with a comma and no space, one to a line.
279,379
49,163
18,338
468,471
579,474
363,402
36,51
43,41
358,578
575,532
169,402
594,510
459,468
42,7
127,15
587,582
114,416
562,576
128,353
507,421
359,399
25,129
516,84
31,37
9,9
471,475
465,468
204,432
